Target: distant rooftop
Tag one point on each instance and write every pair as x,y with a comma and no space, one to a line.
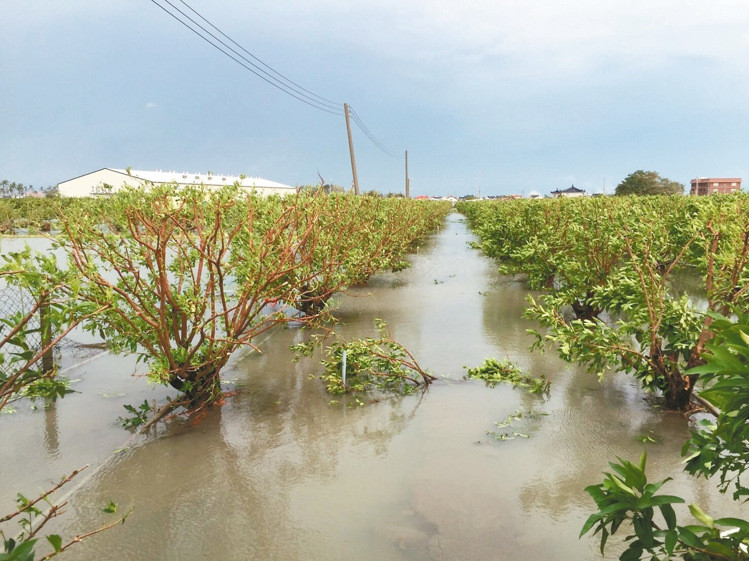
190,178
571,189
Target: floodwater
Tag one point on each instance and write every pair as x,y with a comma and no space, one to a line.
283,471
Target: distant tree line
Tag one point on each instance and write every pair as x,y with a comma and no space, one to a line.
12,190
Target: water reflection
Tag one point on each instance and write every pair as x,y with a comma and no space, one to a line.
51,428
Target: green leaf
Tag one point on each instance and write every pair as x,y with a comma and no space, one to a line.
614,507
720,549
592,519
665,499
689,538
23,552
56,541
733,523
744,337
669,515
634,553
644,531
619,483
111,508
700,515
604,538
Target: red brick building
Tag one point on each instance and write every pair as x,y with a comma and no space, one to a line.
715,185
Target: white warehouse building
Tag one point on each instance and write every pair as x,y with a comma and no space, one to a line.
106,181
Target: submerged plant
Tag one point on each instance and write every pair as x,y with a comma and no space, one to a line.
372,364
139,415
494,372
510,422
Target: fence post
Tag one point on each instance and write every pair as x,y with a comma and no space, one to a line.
45,329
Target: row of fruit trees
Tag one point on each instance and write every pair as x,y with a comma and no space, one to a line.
607,273
183,278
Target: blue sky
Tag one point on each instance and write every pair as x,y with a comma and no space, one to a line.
486,95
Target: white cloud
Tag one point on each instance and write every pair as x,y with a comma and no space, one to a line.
570,36
150,105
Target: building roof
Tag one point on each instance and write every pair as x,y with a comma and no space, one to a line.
213,179
189,178
723,179
571,189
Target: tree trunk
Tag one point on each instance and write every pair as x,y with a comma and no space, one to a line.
679,392
201,386
583,310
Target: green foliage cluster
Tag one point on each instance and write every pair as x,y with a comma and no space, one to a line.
185,276
32,329
494,372
374,364
626,496
32,215
139,415
720,447
607,268
648,183
181,278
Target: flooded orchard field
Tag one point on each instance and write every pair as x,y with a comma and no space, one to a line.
286,471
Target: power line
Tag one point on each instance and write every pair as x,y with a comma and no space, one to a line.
247,64
384,149
360,123
270,76
332,104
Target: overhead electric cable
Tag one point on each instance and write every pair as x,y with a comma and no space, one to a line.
270,76
329,102
360,123
256,70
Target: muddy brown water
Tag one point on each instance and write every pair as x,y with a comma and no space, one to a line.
284,471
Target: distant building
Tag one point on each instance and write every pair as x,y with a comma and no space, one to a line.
106,181
569,192
715,185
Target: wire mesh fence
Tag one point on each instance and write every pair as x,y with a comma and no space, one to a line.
16,304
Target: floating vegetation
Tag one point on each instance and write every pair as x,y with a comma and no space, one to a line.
494,372
648,438
139,415
372,364
509,422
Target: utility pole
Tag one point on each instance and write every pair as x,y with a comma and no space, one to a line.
408,190
351,150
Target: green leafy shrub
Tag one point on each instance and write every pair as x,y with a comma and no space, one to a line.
372,364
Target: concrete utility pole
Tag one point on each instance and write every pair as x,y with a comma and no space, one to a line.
408,190
351,150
